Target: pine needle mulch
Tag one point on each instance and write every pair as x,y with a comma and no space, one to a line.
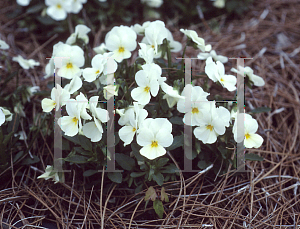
266,197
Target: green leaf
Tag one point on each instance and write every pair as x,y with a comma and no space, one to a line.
170,169
260,110
14,123
115,177
135,147
202,164
138,188
150,194
159,208
253,157
82,151
45,20
89,172
137,174
176,120
125,161
85,142
73,139
161,162
194,155
77,159
163,195
7,138
35,8
177,142
29,160
223,151
18,156
159,178
65,145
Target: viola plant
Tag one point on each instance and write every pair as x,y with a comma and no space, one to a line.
150,105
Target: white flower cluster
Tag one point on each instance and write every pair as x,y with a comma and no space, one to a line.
58,9
153,135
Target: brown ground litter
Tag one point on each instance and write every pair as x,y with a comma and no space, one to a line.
267,197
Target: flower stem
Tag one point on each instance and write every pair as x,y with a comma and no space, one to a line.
182,66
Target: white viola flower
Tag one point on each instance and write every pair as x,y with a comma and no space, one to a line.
76,6
153,3
140,29
198,103
76,110
146,84
49,69
251,140
153,136
59,97
23,2
82,105
126,113
216,72
136,117
219,3
26,64
121,40
81,32
101,49
175,46
31,91
154,72
212,124
213,54
100,64
72,123
74,85
3,45
72,61
2,117
110,91
155,33
22,135
98,112
147,53
200,42
172,95
102,0
257,80
58,9
94,130
51,174
4,112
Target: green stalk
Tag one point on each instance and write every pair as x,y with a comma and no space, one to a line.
182,66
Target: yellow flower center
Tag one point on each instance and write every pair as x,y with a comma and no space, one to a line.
154,144
69,65
75,120
221,80
152,46
247,136
133,129
121,49
146,89
58,6
209,127
195,110
97,72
